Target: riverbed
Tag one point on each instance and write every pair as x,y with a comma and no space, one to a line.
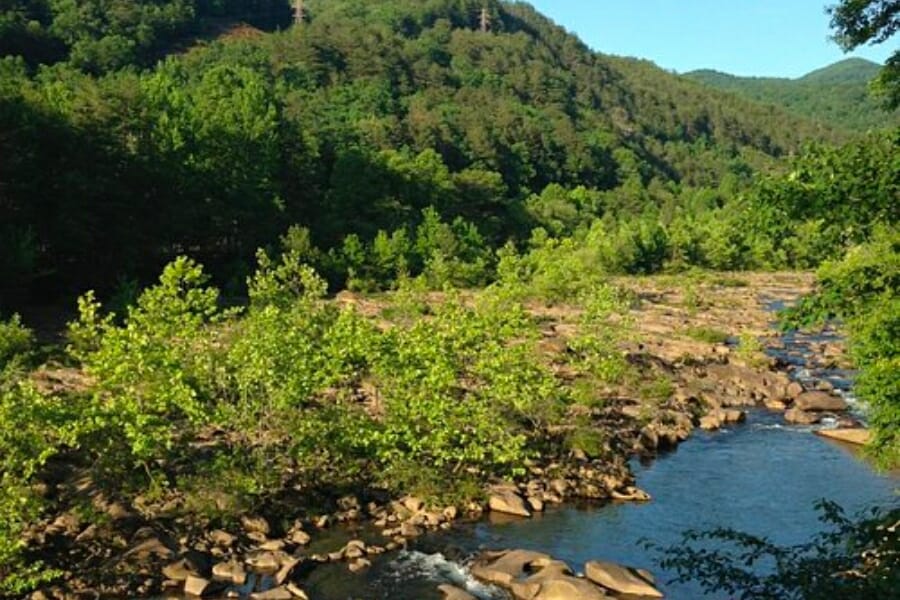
762,477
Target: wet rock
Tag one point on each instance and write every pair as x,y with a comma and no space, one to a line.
451,592
820,401
409,530
795,416
858,436
508,502
622,580
196,586
450,513
630,494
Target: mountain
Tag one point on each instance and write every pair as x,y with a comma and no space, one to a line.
837,94
353,122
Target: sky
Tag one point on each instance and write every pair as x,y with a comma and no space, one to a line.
775,38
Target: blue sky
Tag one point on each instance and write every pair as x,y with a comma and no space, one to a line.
780,38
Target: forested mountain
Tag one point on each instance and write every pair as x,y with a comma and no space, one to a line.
353,122
837,94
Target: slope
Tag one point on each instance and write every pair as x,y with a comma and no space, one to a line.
837,94
354,122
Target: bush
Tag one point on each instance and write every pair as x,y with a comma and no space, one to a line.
853,559
16,342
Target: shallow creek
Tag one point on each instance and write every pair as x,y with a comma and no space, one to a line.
762,477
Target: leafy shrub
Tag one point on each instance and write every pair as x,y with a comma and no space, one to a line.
854,558
16,341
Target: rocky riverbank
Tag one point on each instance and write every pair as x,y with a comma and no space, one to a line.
685,337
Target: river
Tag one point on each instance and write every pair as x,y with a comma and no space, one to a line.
762,477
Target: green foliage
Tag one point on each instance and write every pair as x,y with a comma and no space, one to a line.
837,94
858,22
148,397
354,125
862,291
854,558
707,334
33,429
16,342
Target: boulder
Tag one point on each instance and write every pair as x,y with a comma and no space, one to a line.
222,539
299,537
794,389
231,571
255,525
454,593
567,588
820,402
796,416
620,579
178,571
509,503
196,586
711,422
503,568
858,435
287,570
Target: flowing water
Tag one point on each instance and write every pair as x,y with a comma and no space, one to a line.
762,477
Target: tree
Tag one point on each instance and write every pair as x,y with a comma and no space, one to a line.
858,22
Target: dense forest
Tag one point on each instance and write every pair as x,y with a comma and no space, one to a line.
838,94
357,121
209,183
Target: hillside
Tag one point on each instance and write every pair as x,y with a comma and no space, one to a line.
352,123
837,94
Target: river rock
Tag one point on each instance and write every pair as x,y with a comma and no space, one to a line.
196,586
620,579
178,571
299,538
451,592
509,503
711,422
222,539
231,571
630,494
794,389
264,561
820,402
255,525
796,416
502,568
277,593
858,436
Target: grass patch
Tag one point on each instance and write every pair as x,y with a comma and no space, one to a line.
706,334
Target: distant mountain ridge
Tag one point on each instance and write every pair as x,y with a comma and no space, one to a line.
836,94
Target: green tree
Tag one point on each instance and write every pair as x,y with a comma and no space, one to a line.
858,22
